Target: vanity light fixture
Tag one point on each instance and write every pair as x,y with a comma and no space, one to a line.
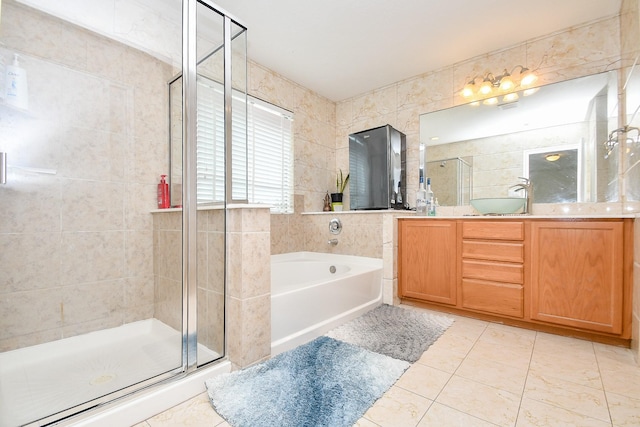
505,83
618,135
552,157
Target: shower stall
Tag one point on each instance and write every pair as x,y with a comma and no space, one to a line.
452,180
102,294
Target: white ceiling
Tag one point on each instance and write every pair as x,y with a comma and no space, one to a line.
343,48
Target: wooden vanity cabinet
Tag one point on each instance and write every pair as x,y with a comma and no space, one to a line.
427,260
577,274
570,276
493,267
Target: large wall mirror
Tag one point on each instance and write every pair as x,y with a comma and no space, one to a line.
552,135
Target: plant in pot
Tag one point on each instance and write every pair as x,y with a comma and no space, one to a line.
341,184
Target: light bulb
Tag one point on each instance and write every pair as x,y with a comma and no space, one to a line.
467,92
530,91
528,78
486,87
490,101
506,84
510,97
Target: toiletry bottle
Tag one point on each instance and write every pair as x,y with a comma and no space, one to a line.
163,193
431,200
16,92
421,199
399,196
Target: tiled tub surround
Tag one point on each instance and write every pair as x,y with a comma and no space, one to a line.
81,240
249,272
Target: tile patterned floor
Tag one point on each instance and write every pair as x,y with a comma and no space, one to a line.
485,374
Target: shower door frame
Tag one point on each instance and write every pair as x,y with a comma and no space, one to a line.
189,362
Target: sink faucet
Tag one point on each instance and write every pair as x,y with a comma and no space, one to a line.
527,188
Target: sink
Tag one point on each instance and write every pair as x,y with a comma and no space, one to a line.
499,205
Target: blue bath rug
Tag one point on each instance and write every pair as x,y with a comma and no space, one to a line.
324,383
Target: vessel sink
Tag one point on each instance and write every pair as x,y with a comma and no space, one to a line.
499,205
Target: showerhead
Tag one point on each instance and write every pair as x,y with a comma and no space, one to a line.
443,164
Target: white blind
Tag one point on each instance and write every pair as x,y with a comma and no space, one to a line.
270,156
262,154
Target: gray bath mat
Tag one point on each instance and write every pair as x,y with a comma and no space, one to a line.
397,332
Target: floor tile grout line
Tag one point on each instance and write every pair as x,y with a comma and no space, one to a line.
604,389
526,378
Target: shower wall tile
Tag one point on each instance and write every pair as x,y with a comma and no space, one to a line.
92,256
97,118
29,312
30,204
168,301
168,254
99,155
138,253
138,298
215,262
49,38
93,301
29,261
92,205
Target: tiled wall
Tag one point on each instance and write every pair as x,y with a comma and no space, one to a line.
578,51
248,260
630,42
77,244
313,132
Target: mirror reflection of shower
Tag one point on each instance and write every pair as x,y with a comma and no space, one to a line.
451,180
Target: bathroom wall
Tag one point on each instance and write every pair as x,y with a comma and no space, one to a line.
313,133
630,45
575,52
248,278
77,244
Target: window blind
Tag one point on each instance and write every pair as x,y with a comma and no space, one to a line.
262,153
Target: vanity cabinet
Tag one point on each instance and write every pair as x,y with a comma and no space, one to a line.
493,267
571,276
577,274
427,254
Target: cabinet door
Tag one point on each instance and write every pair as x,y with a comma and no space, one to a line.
427,260
577,274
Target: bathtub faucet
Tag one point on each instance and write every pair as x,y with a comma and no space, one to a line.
333,242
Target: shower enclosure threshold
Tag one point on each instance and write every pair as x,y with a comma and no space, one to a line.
44,379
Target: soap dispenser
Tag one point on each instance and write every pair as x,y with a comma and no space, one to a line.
164,201
16,92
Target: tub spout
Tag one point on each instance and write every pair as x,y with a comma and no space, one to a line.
332,242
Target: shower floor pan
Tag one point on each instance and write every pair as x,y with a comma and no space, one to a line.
45,379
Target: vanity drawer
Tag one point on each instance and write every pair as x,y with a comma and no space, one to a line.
495,251
495,298
493,230
493,271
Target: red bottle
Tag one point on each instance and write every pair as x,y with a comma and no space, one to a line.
163,193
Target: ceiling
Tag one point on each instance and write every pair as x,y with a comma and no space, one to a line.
341,49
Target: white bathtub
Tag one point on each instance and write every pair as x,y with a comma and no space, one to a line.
308,299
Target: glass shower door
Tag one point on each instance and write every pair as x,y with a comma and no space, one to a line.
91,298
